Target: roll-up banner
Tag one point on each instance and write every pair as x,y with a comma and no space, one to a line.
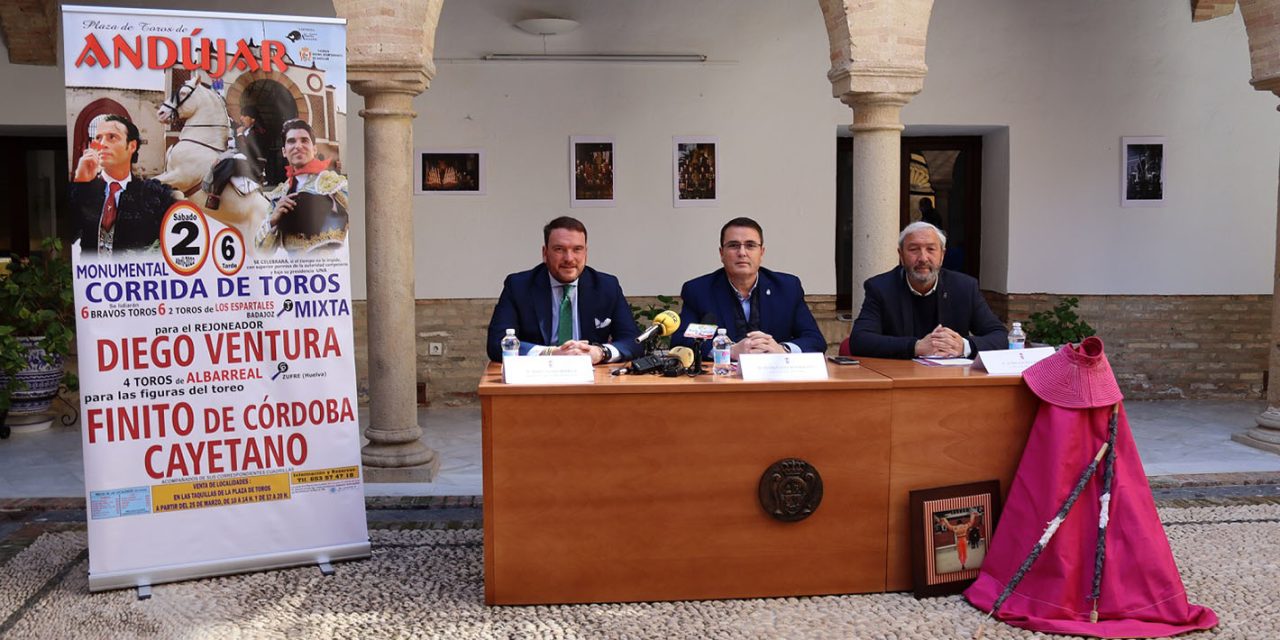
212,289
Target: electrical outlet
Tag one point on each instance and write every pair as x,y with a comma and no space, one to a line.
435,348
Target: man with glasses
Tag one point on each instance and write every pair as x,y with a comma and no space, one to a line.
763,311
562,306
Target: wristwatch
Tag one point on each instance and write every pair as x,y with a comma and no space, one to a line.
604,353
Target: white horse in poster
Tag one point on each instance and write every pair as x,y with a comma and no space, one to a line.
205,130
189,163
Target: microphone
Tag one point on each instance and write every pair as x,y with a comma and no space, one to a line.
684,354
664,324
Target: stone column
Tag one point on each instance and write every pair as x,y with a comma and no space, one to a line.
1267,434
877,183
1264,58
390,45
877,65
395,450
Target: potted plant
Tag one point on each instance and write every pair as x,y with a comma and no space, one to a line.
37,325
1058,326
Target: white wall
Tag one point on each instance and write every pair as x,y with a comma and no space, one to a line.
1051,85
776,150
1069,79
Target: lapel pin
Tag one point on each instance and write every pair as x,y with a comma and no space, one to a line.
768,292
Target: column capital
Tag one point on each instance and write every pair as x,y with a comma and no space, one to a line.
1271,84
876,111
372,79
856,78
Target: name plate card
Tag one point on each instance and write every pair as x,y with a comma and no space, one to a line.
1011,362
547,370
778,367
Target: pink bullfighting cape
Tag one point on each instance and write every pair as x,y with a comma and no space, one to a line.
1141,593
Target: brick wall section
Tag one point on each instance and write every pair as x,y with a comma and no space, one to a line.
1171,346
390,32
1159,346
28,27
1262,24
1202,10
461,327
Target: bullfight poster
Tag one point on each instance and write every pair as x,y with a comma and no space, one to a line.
213,292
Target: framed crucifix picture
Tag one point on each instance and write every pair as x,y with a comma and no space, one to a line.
449,172
695,171
1142,172
950,530
591,171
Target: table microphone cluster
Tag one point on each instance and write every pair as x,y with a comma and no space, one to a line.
677,361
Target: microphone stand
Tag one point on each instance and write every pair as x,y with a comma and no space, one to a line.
696,369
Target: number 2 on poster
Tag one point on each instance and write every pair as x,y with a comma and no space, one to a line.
184,237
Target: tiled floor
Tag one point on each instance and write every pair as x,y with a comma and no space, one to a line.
1174,438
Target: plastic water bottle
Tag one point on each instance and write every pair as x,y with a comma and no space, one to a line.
1017,339
510,344
720,354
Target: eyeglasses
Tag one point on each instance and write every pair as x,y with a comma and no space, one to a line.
735,245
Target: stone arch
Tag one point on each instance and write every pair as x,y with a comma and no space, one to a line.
293,105
876,46
238,87
877,65
1263,32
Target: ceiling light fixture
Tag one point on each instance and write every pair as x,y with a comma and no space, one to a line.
555,26
547,26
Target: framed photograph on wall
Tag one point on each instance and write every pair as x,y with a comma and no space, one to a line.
592,163
950,530
1142,171
695,171
449,172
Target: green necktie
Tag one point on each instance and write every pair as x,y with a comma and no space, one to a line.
565,332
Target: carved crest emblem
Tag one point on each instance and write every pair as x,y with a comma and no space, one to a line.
790,490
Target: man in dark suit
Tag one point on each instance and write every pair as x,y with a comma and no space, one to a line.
921,309
762,311
562,306
129,219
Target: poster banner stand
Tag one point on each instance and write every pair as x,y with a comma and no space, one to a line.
212,283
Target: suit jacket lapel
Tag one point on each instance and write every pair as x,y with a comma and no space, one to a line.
904,304
725,300
586,296
540,289
944,315
764,297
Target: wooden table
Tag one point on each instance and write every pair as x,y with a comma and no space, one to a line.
644,488
951,426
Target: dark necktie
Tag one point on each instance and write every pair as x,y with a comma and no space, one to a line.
109,207
565,331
